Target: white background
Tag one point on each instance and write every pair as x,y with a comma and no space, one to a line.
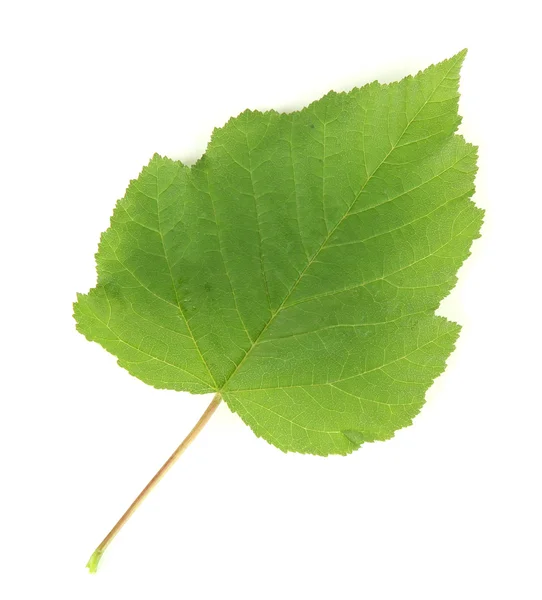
448,509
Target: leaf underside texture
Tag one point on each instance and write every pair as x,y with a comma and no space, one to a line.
297,266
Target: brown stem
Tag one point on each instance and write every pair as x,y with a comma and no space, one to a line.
97,554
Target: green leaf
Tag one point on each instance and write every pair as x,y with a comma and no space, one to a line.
297,266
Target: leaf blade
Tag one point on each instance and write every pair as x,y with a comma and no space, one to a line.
295,252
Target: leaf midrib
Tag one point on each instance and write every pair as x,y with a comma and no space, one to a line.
330,234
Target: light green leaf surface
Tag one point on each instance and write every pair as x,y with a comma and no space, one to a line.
297,266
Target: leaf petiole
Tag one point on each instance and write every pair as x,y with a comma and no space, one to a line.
93,561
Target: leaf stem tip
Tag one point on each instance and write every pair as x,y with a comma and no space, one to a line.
93,561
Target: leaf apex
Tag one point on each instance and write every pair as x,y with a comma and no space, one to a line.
459,58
